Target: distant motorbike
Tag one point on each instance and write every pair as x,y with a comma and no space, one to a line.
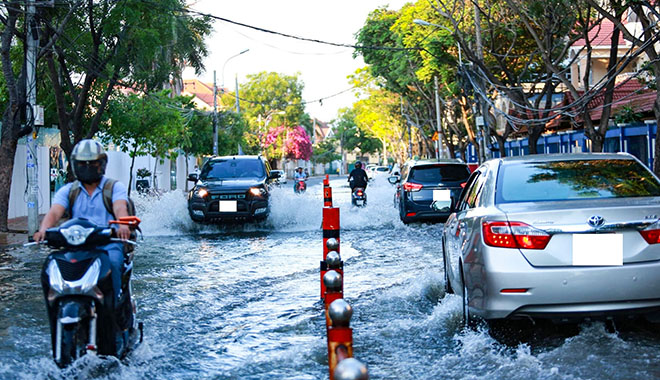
301,186
359,197
82,311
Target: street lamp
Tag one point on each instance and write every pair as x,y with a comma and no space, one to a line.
225,64
215,101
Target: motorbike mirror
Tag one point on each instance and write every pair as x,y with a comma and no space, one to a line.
192,177
443,205
393,179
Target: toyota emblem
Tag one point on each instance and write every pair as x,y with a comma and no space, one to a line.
596,221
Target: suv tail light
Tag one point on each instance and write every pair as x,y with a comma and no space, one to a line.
651,234
514,235
411,186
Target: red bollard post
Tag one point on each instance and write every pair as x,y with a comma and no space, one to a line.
330,238
327,192
340,335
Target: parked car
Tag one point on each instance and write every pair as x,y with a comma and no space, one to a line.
231,188
377,171
557,237
279,176
422,182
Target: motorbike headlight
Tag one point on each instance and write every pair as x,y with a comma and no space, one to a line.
258,191
201,193
76,235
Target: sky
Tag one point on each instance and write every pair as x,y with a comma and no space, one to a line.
323,69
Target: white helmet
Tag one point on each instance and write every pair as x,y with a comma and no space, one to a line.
88,160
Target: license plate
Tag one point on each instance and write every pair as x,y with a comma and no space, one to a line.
597,249
359,203
441,195
227,206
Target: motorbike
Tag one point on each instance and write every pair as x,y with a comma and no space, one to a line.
301,186
359,197
82,311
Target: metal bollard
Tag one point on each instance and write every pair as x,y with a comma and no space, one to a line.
333,284
330,238
340,335
351,369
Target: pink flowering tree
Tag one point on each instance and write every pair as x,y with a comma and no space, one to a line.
292,143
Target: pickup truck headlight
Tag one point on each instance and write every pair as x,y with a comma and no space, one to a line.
257,191
201,193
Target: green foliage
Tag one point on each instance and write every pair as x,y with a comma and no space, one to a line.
351,137
326,151
143,173
142,125
627,114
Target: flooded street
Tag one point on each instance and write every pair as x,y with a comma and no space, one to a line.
242,302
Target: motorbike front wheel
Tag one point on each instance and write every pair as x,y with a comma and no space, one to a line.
74,343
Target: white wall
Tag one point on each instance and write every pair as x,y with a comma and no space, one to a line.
18,195
118,167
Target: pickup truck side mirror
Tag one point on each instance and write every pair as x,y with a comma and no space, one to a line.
274,175
192,177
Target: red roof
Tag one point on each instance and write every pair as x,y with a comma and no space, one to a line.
601,35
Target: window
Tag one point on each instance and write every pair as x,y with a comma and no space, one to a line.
232,168
439,173
574,179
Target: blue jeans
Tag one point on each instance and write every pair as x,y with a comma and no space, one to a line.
116,256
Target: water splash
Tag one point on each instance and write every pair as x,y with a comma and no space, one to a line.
167,215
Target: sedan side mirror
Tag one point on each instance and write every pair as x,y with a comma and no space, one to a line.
443,205
192,177
393,179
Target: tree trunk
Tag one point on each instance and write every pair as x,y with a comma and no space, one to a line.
130,173
7,155
534,134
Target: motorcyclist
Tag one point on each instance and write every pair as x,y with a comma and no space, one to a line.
358,177
298,176
89,160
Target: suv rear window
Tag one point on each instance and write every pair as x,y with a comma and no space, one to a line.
575,179
440,173
230,168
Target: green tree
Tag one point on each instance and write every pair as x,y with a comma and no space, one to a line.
325,151
144,125
13,89
271,98
135,44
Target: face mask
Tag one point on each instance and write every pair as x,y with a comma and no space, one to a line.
88,173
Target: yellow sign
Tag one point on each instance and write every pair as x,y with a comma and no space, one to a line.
435,136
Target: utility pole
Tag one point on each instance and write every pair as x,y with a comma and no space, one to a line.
238,106
31,89
409,131
483,104
215,117
439,148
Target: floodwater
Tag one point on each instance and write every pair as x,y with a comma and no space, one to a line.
242,302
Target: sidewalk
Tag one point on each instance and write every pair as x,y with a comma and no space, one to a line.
17,234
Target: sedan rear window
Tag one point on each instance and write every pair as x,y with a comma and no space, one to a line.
219,169
575,179
440,173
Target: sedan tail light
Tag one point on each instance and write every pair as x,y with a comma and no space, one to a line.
514,235
411,186
651,234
